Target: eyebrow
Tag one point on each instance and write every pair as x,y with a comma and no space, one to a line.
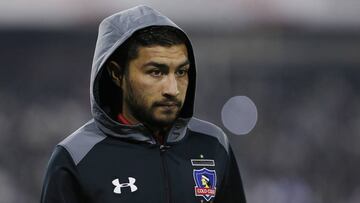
162,65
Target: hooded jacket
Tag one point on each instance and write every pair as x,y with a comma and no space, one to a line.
106,161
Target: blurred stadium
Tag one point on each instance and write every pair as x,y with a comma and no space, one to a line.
297,60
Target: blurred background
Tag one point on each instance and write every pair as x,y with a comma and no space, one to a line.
298,60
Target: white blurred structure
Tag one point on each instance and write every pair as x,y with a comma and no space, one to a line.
308,13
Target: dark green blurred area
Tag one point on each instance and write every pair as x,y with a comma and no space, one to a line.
305,83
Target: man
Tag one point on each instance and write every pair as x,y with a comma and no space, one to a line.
143,144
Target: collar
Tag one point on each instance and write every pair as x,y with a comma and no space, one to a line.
139,132
123,120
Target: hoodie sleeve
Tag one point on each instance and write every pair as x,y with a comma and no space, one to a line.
232,189
60,183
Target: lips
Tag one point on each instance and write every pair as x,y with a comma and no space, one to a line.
169,108
171,104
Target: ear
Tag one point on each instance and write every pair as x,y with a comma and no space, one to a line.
115,72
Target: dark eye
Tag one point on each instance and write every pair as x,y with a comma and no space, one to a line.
181,72
155,73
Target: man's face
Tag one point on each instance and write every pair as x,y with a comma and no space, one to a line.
155,85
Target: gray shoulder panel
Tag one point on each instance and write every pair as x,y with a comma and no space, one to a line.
204,127
80,142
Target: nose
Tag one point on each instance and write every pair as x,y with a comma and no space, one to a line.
171,86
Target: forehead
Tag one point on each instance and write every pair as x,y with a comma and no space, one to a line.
174,53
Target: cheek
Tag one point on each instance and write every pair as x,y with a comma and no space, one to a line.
144,90
183,86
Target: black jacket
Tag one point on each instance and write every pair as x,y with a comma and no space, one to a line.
106,161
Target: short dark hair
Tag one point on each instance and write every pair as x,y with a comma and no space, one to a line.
149,36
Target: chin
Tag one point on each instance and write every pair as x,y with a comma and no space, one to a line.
164,120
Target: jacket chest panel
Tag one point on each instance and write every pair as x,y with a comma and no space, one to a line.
128,173
122,174
195,174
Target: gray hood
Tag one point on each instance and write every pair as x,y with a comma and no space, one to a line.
105,96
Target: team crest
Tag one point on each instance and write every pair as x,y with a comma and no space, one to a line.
205,181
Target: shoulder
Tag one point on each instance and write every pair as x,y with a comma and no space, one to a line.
80,142
209,129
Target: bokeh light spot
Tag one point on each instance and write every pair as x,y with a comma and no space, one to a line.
239,115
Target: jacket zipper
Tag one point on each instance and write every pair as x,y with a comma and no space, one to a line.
163,148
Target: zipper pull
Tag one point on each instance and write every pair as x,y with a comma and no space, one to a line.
163,148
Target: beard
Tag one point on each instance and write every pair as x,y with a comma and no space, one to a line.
136,103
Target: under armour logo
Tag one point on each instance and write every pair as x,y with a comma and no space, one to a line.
119,185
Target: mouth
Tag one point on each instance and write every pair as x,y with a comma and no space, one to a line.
168,105
169,109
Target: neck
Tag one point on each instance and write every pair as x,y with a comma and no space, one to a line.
128,116
159,133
